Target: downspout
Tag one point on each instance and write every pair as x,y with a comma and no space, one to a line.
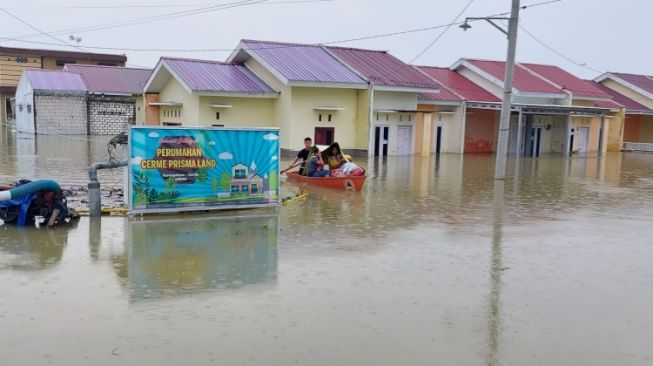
88,114
464,128
370,140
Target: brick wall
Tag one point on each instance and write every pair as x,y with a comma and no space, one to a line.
110,117
61,114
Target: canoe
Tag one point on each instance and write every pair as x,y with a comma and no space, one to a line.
345,183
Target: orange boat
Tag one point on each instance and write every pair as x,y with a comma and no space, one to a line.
345,183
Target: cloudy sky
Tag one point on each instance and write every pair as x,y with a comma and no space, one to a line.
608,35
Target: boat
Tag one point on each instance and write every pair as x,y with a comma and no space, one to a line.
345,183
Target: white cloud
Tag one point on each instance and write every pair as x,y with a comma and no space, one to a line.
137,160
271,136
211,143
275,158
225,156
153,134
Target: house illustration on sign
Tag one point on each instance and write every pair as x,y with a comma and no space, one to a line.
245,180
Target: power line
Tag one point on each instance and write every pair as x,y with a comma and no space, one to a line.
150,6
581,64
149,19
36,29
442,33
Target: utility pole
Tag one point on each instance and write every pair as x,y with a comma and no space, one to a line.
504,125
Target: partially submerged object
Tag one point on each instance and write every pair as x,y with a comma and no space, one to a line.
346,183
38,202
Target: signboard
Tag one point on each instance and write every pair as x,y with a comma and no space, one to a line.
185,169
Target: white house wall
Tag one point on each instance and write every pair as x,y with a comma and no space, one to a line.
24,115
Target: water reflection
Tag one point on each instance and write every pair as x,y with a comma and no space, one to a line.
169,257
32,249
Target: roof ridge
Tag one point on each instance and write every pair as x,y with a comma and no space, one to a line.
541,77
357,49
281,43
197,60
442,85
108,67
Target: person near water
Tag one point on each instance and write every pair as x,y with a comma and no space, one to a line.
334,156
303,154
315,166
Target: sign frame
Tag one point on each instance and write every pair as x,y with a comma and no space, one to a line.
132,210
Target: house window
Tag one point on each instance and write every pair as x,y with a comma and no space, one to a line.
234,187
217,115
329,118
409,117
20,107
240,173
63,62
171,124
29,108
254,188
244,188
319,117
387,117
377,116
401,118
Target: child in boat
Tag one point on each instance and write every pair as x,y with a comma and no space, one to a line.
316,164
334,156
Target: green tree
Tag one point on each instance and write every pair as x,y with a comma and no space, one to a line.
214,185
225,182
203,174
273,181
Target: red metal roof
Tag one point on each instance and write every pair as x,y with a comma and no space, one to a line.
622,100
524,80
382,68
215,76
303,62
566,81
641,81
460,85
109,79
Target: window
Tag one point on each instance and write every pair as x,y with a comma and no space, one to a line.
171,124
217,115
319,117
29,108
329,118
409,117
244,188
20,107
377,116
401,118
217,125
240,173
387,117
234,187
254,188
63,62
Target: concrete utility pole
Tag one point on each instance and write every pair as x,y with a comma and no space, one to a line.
504,125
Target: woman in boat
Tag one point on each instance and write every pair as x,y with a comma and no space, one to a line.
316,164
333,155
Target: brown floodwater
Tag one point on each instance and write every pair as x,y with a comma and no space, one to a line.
433,263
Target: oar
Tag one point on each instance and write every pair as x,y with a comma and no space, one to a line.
290,167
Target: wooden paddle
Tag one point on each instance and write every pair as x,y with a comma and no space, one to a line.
290,167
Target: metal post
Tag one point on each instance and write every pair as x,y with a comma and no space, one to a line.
519,134
504,125
601,134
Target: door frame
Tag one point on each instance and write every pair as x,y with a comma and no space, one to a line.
325,129
411,142
380,126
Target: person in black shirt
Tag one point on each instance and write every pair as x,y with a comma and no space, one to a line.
302,154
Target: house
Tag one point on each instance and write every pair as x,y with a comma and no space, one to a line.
635,93
553,111
246,180
115,96
13,61
51,102
207,93
81,99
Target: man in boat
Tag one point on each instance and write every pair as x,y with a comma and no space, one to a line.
316,166
302,154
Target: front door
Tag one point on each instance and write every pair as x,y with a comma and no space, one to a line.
381,140
404,138
536,139
324,135
584,139
438,139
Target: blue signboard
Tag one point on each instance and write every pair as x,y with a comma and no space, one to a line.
183,169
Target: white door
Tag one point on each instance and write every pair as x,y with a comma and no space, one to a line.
404,138
584,139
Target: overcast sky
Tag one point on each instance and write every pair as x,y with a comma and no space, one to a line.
606,35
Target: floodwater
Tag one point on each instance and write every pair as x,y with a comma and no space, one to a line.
431,264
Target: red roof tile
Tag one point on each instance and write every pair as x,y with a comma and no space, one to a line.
460,85
110,79
641,81
524,80
567,81
631,105
382,68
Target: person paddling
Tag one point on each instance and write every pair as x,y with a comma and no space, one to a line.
303,155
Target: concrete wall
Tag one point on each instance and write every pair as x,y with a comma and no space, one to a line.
110,116
594,125
254,112
140,110
61,114
187,114
305,119
363,114
616,130
480,130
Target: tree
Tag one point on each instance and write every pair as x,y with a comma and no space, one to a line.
273,181
225,182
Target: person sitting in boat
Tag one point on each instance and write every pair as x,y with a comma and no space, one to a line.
333,155
315,165
302,154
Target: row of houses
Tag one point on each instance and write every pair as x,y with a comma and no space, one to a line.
371,102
